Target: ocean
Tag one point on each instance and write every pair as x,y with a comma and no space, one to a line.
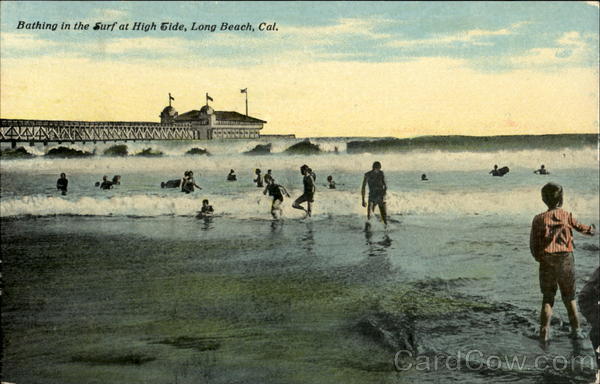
127,285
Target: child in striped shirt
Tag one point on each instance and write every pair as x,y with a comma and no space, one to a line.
551,245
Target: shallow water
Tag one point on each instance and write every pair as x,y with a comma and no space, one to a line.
127,285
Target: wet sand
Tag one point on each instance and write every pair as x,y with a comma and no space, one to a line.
180,300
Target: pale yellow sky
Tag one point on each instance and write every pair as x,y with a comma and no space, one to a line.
385,69
421,97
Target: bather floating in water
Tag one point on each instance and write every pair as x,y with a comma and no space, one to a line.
499,171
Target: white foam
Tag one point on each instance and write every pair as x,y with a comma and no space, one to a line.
410,161
251,205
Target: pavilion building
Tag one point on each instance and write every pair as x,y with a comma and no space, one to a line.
210,124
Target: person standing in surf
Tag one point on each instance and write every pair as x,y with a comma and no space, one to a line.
259,178
551,245
62,183
206,211
188,183
377,190
276,191
268,177
309,191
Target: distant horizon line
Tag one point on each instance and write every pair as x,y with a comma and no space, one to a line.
334,137
454,135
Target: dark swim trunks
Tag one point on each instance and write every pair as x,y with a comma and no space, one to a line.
305,197
377,198
557,270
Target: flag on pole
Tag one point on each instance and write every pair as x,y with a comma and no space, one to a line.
245,90
171,97
209,98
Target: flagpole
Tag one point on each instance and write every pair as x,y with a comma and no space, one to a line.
246,102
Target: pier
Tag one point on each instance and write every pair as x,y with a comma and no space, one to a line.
59,131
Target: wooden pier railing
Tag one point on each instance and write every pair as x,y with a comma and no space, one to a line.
45,131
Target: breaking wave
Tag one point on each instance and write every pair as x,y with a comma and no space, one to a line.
408,161
523,203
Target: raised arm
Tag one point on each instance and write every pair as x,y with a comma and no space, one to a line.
582,228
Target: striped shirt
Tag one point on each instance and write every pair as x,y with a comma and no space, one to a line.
552,232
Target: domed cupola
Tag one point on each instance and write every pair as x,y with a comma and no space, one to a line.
207,110
168,114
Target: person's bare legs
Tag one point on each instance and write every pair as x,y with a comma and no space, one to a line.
309,208
297,205
276,207
571,307
370,209
545,317
274,212
382,210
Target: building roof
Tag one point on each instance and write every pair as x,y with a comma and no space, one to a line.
235,116
169,111
220,115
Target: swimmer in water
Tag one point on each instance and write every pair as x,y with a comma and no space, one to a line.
495,172
542,170
375,179
330,182
309,191
206,210
62,184
106,184
188,183
171,183
424,177
276,191
231,176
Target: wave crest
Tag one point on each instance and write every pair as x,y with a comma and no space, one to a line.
524,202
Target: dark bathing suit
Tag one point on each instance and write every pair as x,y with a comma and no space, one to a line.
309,193
275,191
376,182
62,184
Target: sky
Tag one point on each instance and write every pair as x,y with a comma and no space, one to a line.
396,69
